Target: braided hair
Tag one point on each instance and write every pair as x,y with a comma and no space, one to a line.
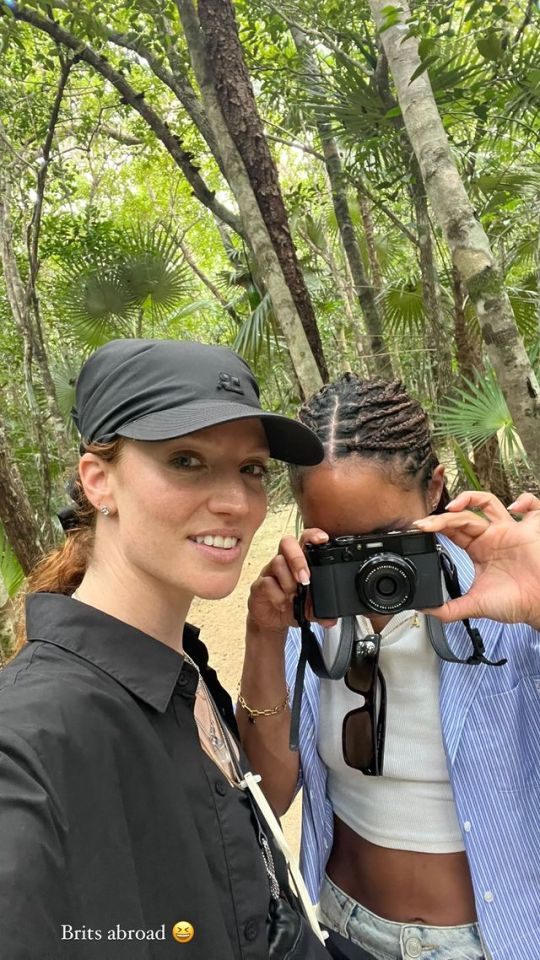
375,419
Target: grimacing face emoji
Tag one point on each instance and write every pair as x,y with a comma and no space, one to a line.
183,931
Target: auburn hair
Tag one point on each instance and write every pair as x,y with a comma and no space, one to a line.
62,570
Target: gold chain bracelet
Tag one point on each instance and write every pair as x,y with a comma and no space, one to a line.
269,712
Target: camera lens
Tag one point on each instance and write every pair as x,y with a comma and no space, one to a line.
386,586
386,583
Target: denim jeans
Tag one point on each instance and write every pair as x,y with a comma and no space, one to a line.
386,940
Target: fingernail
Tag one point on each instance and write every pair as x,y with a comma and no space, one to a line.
304,578
450,503
419,523
512,506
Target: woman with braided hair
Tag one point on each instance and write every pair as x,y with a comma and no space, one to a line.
438,856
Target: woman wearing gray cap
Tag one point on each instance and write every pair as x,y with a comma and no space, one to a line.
122,829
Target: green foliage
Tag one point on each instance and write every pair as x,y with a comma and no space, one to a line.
478,412
109,298
117,208
11,572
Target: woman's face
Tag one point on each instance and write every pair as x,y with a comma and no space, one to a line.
184,511
355,496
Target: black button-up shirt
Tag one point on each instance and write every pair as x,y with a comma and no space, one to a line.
114,824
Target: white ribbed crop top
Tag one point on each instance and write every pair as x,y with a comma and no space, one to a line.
411,807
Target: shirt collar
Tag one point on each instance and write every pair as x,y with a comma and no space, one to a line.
146,667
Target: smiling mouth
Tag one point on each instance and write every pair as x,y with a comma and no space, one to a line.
222,543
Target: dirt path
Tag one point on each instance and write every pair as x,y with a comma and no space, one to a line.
222,624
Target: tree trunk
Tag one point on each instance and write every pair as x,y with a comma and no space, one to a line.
16,514
440,355
488,464
239,109
466,237
379,362
285,310
369,233
23,301
468,347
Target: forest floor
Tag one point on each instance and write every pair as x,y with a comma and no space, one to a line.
222,624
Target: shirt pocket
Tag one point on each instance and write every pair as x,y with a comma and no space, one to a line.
507,729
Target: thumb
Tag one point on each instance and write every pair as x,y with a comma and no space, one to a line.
458,609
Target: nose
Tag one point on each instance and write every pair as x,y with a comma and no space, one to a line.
230,497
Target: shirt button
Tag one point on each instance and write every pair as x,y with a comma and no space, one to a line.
182,680
488,896
220,787
251,930
413,947
467,826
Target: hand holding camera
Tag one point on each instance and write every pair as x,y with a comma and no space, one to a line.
506,557
271,597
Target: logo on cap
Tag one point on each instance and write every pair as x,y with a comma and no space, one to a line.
230,383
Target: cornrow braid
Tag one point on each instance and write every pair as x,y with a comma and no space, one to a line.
375,419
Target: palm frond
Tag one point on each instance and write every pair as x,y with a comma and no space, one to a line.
98,303
255,332
477,413
404,306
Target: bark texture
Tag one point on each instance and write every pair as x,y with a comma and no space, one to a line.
465,236
438,348
379,361
488,464
239,109
16,514
303,360
440,355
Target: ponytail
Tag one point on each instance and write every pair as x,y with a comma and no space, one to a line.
62,570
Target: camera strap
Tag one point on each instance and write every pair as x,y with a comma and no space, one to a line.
437,633
311,652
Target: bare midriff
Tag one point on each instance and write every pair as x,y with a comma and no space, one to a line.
401,885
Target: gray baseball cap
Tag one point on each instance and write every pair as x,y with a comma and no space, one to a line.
159,389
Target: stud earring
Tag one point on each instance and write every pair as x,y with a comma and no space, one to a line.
105,511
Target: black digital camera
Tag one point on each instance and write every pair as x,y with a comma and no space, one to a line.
400,570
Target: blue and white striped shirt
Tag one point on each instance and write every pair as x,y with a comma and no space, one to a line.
490,719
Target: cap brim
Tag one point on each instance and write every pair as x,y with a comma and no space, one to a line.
288,440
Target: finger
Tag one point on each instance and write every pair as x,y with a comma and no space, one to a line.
482,500
313,535
458,609
465,524
269,591
290,548
525,503
281,572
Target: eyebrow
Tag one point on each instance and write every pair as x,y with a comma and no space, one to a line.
186,443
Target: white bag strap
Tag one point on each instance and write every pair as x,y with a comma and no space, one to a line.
250,783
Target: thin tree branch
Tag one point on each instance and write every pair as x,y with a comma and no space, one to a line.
525,22
188,257
124,138
34,227
170,141
296,145
319,35
178,85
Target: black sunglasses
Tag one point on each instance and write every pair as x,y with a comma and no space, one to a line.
363,731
